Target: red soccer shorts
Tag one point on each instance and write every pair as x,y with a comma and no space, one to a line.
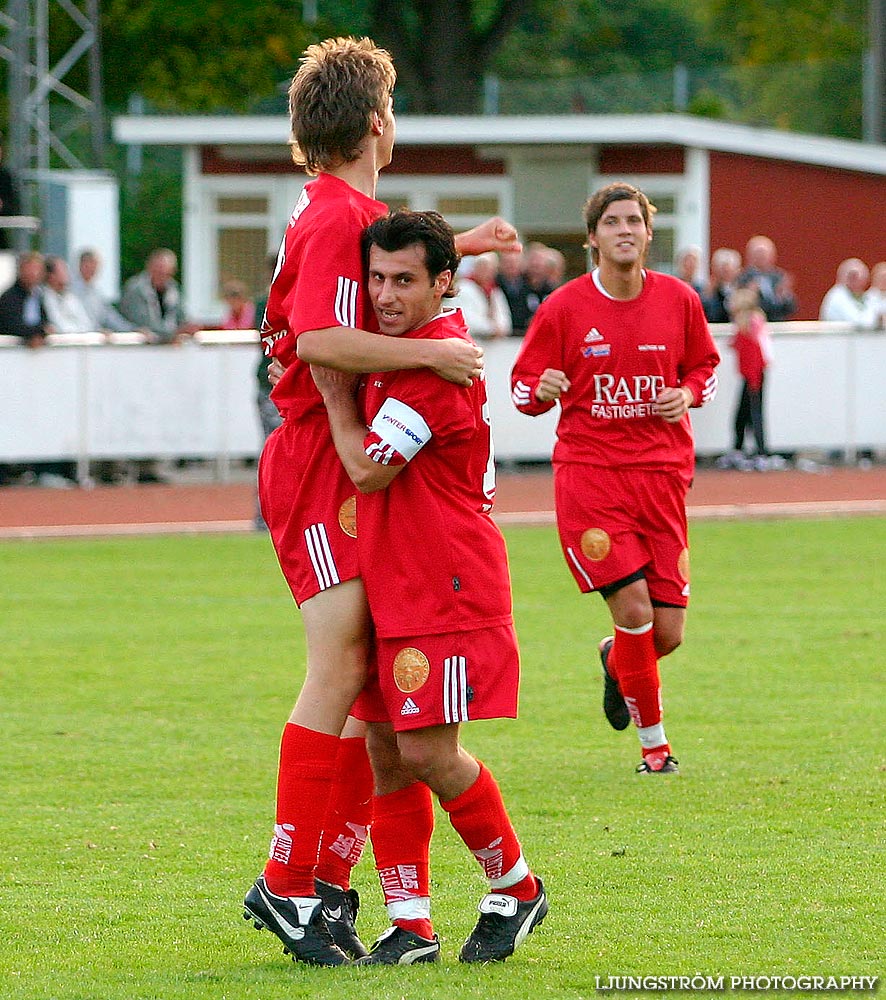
437,679
309,505
614,522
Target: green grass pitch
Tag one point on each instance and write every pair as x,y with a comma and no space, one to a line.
144,683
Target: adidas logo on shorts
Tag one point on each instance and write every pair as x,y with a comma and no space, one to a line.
409,708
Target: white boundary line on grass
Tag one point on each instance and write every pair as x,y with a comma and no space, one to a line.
710,512
714,512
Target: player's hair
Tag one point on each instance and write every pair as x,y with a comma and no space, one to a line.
404,228
597,204
340,82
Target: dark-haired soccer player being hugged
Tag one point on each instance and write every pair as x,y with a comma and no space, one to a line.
343,128
436,575
627,352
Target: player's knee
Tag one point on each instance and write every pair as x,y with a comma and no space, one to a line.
666,641
419,757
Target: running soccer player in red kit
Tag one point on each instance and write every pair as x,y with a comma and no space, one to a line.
435,569
343,130
627,352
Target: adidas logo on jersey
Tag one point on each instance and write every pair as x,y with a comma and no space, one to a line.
593,335
409,708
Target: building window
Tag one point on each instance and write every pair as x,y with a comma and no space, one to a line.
242,254
241,205
461,205
464,201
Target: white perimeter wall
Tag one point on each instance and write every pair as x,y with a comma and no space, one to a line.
88,399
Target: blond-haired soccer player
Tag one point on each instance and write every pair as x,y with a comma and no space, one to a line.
436,574
627,352
343,130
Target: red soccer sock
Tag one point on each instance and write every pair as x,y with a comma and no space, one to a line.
479,817
634,664
304,785
402,824
349,814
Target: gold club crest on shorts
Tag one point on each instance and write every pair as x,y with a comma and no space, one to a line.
683,564
411,669
595,544
347,517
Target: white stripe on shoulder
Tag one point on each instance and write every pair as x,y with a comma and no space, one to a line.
346,301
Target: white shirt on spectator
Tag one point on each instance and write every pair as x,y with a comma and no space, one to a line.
876,302
486,316
102,315
840,306
66,312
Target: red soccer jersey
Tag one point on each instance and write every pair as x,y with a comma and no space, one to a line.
318,283
618,357
431,558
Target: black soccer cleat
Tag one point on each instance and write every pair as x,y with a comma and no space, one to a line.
504,924
297,921
614,707
340,908
658,765
397,946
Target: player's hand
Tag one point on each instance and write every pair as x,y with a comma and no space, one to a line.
275,371
334,385
459,361
493,234
670,404
552,384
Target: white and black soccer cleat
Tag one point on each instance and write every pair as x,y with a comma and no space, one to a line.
505,923
297,921
397,946
340,908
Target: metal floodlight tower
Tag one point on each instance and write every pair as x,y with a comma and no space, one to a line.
45,109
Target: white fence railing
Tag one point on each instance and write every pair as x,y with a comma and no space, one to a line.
92,397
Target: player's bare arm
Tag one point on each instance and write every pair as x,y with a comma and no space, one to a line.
673,402
493,234
348,432
350,350
552,384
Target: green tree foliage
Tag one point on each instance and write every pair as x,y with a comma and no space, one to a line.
215,56
798,62
442,50
591,37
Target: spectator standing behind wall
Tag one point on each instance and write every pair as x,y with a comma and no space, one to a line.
482,302
240,313
511,279
152,300
845,301
688,263
22,312
725,266
774,286
875,296
102,314
66,313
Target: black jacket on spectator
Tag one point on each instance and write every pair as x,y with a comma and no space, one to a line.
714,305
12,307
